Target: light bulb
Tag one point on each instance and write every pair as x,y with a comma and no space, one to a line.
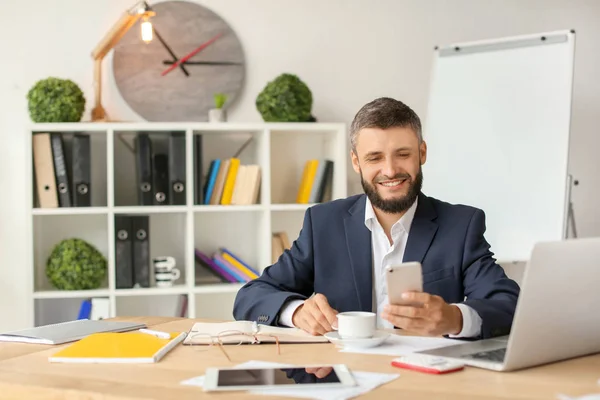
146,31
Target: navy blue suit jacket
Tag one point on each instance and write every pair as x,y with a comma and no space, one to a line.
333,256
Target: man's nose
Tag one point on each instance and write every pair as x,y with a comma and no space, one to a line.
389,169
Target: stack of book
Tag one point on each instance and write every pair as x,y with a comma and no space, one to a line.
224,266
316,183
231,183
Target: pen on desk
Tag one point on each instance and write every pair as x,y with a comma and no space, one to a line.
162,335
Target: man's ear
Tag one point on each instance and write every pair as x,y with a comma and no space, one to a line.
423,152
355,164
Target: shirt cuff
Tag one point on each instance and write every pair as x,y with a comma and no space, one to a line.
471,322
285,317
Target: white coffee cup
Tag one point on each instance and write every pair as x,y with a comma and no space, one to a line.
166,279
165,263
356,324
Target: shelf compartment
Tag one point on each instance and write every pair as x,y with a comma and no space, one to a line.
56,310
287,167
241,233
97,182
49,230
246,145
165,237
166,154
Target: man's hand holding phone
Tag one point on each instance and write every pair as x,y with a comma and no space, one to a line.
412,309
434,317
315,316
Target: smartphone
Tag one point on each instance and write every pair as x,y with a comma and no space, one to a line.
430,365
403,278
314,376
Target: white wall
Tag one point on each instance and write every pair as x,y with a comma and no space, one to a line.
347,51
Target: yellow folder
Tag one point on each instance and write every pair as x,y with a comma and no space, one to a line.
110,347
308,177
230,181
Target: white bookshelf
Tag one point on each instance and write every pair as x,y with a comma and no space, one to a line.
281,149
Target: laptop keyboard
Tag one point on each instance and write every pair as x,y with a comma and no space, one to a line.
491,355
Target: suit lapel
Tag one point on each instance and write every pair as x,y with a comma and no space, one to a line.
422,231
358,240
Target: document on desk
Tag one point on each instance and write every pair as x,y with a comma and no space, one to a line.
401,345
365,382
594,396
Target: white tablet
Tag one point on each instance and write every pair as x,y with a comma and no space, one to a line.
325,375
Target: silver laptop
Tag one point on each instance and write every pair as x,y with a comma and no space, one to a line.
556,316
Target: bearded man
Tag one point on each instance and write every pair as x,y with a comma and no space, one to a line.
337,263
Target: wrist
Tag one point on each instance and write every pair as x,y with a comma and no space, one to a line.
295,313
457,320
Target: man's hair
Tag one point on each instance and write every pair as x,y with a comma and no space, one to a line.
384,113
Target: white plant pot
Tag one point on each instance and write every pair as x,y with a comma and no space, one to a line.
217,115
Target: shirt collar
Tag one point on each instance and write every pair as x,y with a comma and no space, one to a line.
406,220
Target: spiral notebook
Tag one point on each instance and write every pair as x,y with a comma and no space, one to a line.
130,347
69,331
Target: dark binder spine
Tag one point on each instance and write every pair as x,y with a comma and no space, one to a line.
177,178
144,169
198,178
326,182
81,170
60,170
160,174
123,252
141,250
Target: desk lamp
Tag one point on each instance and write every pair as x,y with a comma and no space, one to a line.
112,37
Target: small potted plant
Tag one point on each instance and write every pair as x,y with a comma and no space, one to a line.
285,99
55,100
75,264
218,113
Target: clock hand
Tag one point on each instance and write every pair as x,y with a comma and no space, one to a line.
190,55
167,62
170,51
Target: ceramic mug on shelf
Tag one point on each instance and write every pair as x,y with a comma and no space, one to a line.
165,272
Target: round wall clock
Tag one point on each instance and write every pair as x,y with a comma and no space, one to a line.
158,85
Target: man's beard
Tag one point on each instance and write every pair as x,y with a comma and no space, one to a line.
399,204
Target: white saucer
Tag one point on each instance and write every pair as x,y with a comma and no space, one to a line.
377,339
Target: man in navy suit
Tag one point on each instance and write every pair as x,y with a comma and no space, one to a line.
337,263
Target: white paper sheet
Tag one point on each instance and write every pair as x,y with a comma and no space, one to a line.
397,345
366,381
595,396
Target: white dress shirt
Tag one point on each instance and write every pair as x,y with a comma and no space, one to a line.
385,254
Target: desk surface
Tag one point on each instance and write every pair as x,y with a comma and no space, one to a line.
26,373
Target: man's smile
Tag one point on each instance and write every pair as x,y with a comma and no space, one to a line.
393,183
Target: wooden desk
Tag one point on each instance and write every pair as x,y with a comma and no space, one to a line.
28,374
